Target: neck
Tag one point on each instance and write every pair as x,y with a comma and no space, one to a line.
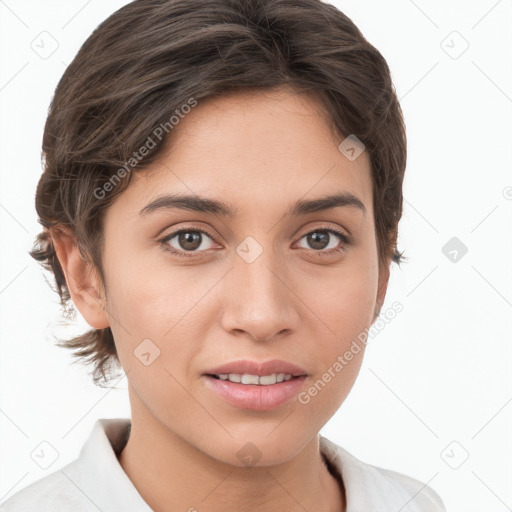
171,474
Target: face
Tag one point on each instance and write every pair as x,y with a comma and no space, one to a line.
193,286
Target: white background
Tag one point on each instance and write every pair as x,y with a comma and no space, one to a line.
437,376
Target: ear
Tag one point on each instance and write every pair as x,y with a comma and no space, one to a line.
382,287
82,279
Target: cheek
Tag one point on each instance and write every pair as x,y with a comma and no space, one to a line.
344,300
160,304
145,295
344,306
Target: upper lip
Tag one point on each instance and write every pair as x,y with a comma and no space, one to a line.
257,368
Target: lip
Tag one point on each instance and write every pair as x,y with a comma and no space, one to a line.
258,368
256,397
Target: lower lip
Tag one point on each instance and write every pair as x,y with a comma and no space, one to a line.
256,397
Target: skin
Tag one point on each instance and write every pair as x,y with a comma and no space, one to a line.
259,153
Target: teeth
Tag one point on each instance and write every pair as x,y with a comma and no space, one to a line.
249,379
264,380
267,379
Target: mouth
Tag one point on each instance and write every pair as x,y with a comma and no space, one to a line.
255,386
255,380
246,371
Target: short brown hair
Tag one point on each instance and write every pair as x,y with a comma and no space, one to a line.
141,65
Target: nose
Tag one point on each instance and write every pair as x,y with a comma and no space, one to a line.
260,301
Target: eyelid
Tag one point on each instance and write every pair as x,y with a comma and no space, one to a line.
165,238
338,232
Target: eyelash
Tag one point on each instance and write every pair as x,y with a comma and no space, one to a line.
344,238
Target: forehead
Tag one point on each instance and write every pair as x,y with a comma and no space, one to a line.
254,150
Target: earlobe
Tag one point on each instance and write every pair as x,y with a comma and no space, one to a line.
81,278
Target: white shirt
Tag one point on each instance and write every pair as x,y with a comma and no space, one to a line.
95,481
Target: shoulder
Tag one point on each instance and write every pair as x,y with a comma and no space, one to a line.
369,487
96,481
50,493
424,497
93,481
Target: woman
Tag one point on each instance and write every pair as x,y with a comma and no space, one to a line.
220,200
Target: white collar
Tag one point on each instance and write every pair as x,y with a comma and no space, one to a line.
97,481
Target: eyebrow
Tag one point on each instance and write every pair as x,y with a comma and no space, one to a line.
219,208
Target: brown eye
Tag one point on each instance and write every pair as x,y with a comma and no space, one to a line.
187,240
318,239
325,240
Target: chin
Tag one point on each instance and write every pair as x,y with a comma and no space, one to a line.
256,447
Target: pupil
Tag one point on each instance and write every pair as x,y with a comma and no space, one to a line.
190,240
318,239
